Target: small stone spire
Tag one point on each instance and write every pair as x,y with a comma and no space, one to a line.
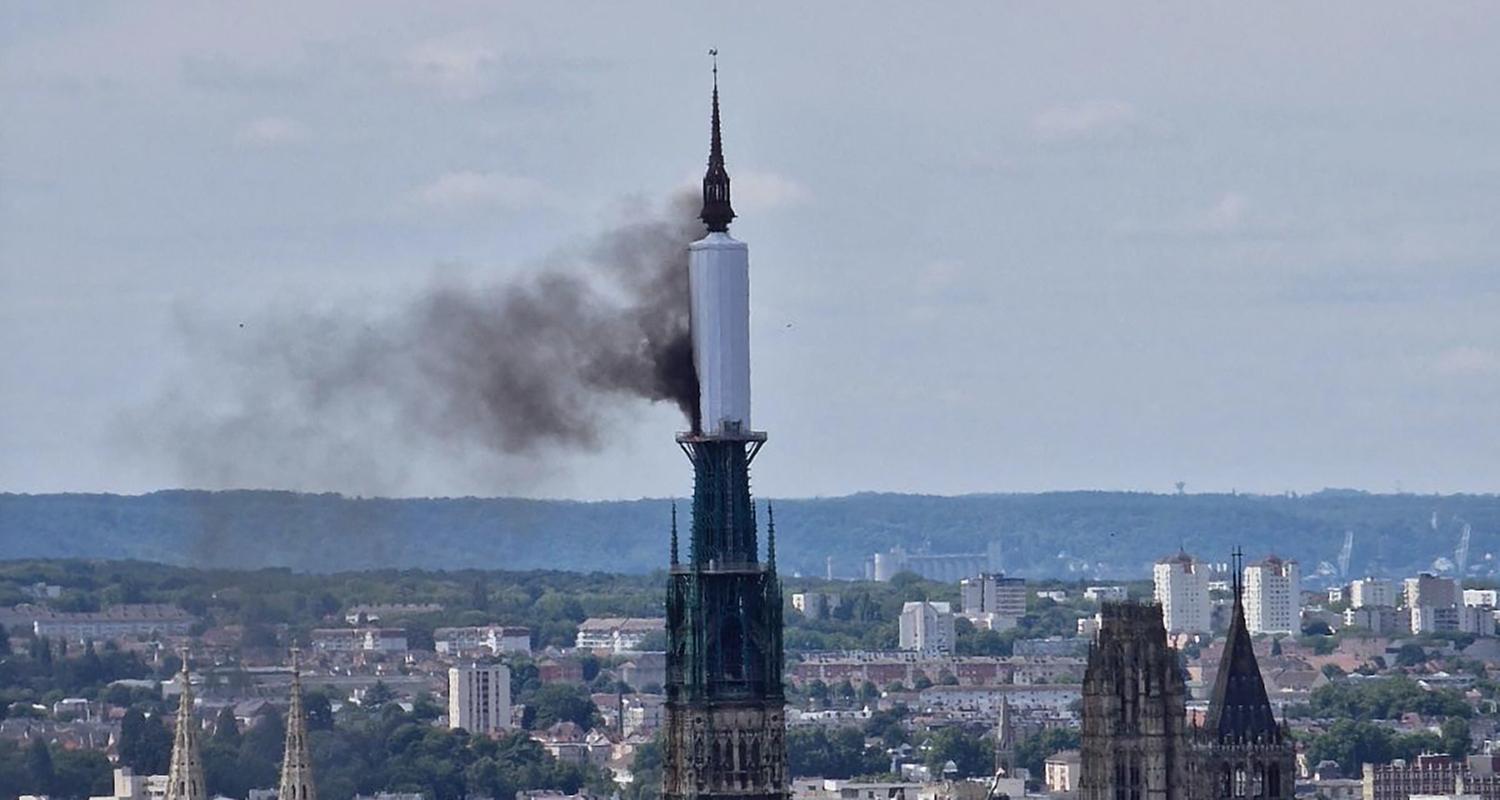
674,534
770,536
185,777
296,764
717,212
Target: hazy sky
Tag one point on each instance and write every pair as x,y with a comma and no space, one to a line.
995,246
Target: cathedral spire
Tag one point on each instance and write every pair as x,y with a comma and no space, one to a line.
674,534
296,764
1239,709
717,213
770,536
185,776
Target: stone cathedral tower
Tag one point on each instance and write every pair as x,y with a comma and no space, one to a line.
185,776
1134,743
1241,751
725,731
296,763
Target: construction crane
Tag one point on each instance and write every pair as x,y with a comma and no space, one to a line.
1345,553
1461,553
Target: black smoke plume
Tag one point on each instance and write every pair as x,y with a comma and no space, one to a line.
519,368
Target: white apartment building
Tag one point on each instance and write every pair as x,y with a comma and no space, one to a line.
1273,597
1476,620
815,605
1430,590
479,698
350,640
1100,594
927,627
497,639
1180,586
993,601
1481,598
619,634
1372,592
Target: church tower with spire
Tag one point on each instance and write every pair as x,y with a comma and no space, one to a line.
185,776
1241,751
725,729
296,763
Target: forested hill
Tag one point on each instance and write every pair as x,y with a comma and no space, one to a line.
1083,534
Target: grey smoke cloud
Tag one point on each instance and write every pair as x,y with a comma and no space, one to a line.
508,371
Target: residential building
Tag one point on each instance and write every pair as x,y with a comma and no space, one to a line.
114,622
1180,585
1484,598
816,605
993,601
479,698
1100,594
618,634
1430,590
1377,619
353,640
927,627
1372,592
1476,620
1273,597
496,639
1061,771
364,614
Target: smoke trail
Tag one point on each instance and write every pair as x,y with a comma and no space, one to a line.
515,369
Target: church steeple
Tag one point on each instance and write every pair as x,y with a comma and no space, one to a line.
717,212
673,562
1239,709
185,776
296,763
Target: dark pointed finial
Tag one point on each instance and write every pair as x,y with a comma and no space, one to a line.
1238,560
717,212
770,535
674,534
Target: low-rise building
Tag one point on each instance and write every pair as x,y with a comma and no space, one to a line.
495,639
114,622
1100,594
617,634
927,627
816,605
355,640
1062,771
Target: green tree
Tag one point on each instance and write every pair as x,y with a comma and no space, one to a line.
39,766
971,754
831,753
1033,751
145,743
1457,741
559,702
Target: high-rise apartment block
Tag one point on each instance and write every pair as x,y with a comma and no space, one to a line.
1181,589
479,698
1273,597
927,627
993,601
1372,592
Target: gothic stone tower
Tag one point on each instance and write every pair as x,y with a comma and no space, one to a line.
296,763
185,775
1241,752
724,722
1134,743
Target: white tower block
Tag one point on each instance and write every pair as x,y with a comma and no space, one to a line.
719,282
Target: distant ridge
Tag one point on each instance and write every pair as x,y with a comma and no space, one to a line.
1082,534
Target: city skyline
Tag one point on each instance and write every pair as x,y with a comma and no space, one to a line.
1246,251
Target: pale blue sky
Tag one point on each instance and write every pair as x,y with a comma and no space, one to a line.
995,246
